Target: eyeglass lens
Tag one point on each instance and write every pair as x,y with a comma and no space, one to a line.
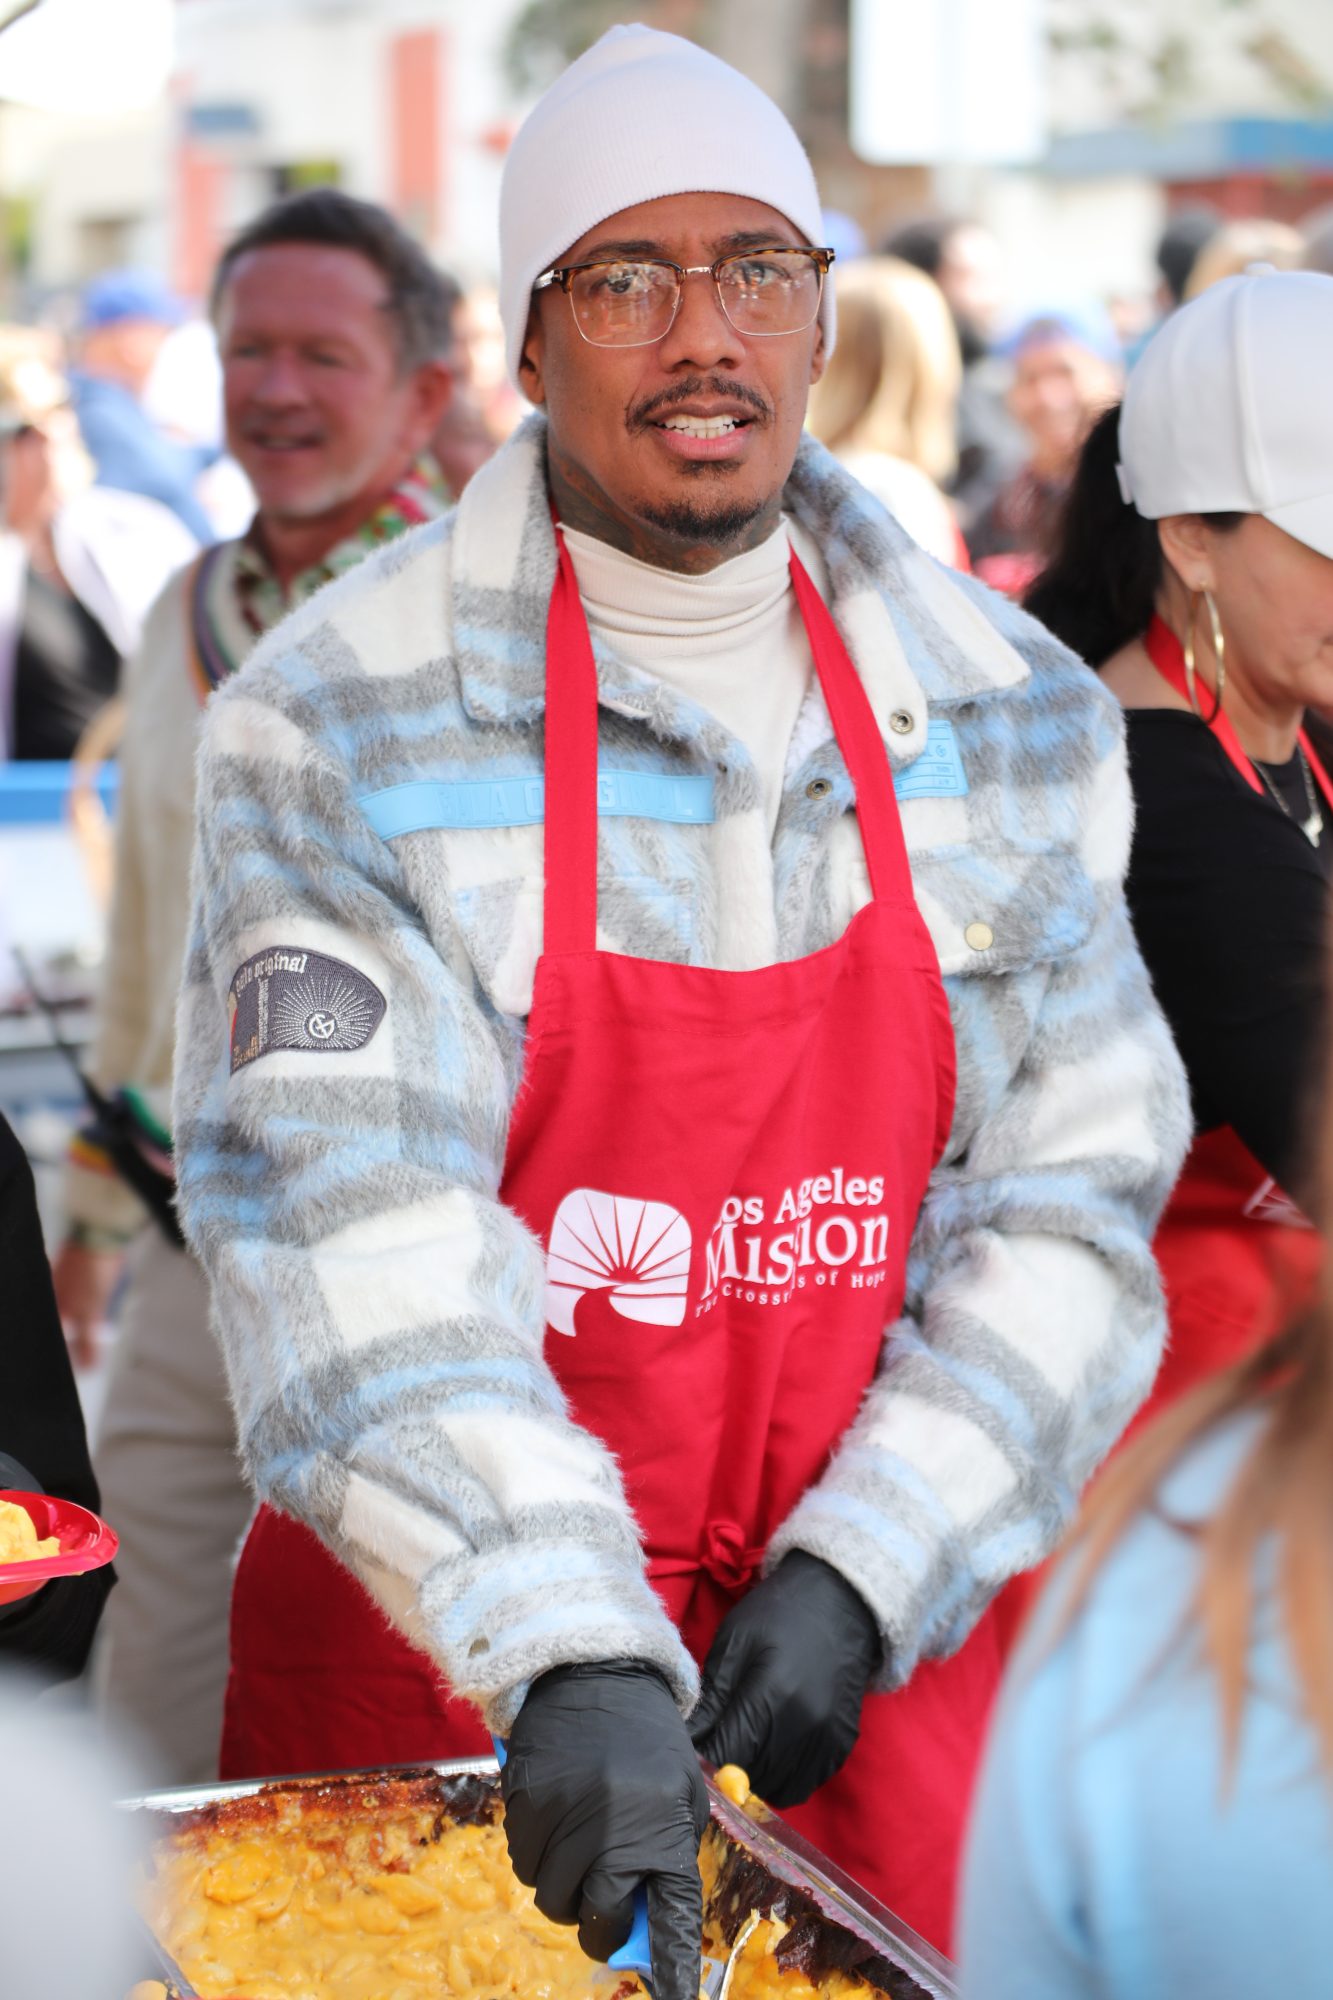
628,304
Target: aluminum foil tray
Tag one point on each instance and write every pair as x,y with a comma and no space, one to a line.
835,1926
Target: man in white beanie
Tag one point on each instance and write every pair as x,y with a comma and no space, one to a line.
668,1098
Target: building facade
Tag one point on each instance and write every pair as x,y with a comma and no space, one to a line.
400,101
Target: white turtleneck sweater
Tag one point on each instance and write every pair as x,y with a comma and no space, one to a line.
733,640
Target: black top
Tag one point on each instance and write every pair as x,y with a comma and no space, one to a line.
43,1446
1231,905
65,668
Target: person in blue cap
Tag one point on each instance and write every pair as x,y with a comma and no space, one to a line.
126,316
1067,366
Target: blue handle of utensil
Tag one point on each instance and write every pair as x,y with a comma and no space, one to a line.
635,1955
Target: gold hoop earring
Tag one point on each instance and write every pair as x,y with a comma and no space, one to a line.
1191,685
1219,653
1219,648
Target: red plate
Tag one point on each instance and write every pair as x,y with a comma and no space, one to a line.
86,1543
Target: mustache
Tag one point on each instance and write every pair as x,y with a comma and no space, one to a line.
652,407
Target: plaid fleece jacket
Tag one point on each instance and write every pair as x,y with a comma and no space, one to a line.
382,1313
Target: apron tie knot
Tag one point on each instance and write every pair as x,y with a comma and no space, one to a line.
727,1557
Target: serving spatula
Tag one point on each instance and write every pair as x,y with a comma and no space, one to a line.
636,1954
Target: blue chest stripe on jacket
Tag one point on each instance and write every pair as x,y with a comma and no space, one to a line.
678,800
488,802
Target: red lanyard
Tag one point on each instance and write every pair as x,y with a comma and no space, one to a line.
1168,656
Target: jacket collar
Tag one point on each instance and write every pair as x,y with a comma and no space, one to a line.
919,635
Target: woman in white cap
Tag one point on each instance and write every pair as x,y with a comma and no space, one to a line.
1153,1815
1196,571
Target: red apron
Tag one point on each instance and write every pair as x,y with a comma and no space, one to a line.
726,1169
1239,1262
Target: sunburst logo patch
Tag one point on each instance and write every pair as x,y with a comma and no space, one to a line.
637,1252
288,999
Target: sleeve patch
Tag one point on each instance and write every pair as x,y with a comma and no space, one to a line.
284,998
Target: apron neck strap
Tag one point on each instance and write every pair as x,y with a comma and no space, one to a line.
862,746
1168,656
570,915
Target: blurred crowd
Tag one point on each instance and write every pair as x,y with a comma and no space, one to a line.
967,420
117,465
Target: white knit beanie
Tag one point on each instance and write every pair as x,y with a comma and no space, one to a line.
641,114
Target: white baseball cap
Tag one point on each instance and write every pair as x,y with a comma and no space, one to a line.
1230,407
641,114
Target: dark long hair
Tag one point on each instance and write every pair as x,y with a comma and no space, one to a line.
1098,590
1100,587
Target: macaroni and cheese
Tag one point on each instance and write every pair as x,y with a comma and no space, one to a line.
19,1540
399,1888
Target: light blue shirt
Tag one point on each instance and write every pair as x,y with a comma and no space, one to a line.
130,452
1107,1856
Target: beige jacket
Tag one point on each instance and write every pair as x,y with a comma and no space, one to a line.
150,913
150,910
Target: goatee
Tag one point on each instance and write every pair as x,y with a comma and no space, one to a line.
697,521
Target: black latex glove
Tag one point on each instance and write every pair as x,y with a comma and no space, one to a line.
603,1791
785,1679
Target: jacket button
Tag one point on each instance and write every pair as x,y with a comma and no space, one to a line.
819,788
980,936
901,722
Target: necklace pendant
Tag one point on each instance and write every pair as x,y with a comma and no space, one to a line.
1313,827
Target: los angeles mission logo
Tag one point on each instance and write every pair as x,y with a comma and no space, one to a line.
830,1230
637,1252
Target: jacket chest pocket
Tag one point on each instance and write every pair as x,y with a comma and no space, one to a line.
1003,921
995,908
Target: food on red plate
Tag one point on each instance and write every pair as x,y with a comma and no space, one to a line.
19,1540
42,1537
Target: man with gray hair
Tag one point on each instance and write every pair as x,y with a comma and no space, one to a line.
332,326
670,1104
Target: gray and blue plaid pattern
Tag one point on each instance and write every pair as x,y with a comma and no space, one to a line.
382,1312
